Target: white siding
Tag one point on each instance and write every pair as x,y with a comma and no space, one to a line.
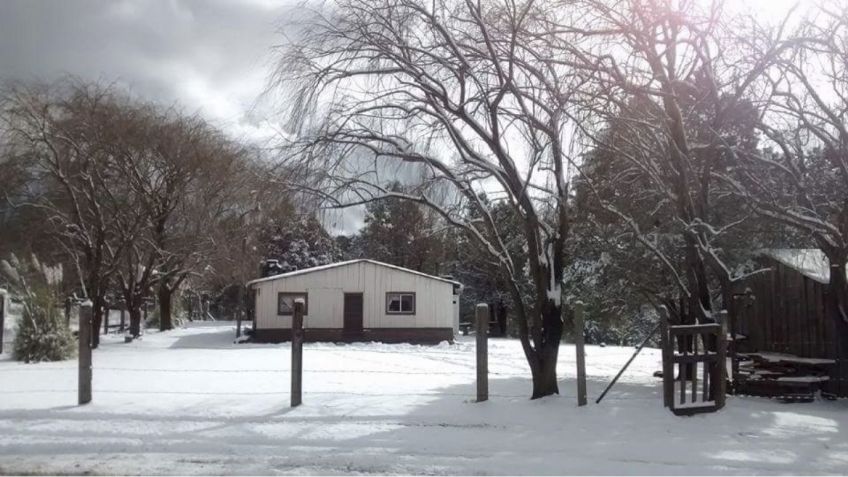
434,306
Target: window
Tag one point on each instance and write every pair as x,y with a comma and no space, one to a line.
400,303
285,303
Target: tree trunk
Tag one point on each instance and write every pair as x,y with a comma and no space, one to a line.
96,320
135,320
543,363
165,319
544,372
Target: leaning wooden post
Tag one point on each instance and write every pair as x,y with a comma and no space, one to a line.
85,373
482,352
579,346
667,352
2,315
297,353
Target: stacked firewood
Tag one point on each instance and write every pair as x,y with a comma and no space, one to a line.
783,376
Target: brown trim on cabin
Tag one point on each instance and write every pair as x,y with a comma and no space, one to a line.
294,295
414,299
385,335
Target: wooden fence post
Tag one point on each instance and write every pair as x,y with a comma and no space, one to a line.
2,316
667,366
85,372
579,345
482,315
297,354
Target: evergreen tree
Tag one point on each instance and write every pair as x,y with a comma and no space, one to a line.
399,232
298,244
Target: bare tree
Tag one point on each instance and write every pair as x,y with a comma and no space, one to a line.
668,99
59,130
461,94
182,174
802,179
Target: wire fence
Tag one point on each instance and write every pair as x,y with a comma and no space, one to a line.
282,372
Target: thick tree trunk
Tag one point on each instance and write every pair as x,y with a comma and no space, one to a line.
165,319
543,362
544,372
135,320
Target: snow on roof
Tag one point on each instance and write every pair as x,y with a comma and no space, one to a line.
342,264
810,262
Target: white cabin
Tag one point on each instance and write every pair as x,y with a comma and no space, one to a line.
357,300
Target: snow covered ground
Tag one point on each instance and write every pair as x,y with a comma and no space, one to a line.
191,402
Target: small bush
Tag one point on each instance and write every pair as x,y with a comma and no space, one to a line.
42,334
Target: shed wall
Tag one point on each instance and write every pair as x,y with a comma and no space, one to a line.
434,307
793,314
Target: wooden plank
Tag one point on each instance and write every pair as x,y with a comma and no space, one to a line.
579,346
2,316
84,354
777,316
695,366
719,378
710,357
694,329
769,309
809,319
683,379
482,316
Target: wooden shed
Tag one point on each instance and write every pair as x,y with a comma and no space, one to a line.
357,300
793,314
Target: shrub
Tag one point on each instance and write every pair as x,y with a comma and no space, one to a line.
42,334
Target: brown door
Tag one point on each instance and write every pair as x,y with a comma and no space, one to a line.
352,313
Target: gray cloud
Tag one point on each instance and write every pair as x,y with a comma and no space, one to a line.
211,56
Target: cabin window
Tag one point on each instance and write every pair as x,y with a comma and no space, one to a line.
400,303
285,303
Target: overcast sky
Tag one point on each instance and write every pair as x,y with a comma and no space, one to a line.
211,56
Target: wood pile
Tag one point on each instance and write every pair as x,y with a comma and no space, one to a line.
783,376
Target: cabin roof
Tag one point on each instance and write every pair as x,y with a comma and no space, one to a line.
810,262
345,263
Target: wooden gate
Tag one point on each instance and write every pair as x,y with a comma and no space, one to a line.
696,354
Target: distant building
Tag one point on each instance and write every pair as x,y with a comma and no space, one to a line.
357,300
